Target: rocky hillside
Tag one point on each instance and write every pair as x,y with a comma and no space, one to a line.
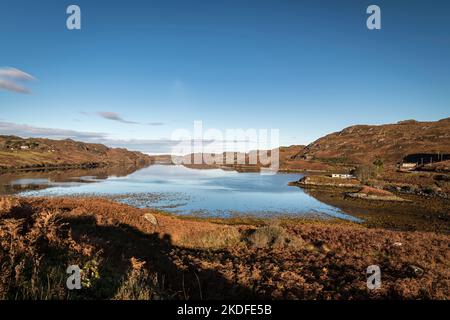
343,151
390,143
34,153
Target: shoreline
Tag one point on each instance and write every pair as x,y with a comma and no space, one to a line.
417,213
65,167
421,213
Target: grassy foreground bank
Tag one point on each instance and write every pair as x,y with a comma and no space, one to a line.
129,253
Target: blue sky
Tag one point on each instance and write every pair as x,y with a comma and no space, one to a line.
137,70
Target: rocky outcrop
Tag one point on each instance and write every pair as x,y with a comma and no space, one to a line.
325,181
369,193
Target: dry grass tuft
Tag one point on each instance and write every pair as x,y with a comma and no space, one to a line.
139,284
216,239
7,204
274,236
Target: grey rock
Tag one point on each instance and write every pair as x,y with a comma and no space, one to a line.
151,218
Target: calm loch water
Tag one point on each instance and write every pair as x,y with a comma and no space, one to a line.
191,191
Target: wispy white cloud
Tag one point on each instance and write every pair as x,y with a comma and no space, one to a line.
114,116
24,130
151,146
9,76
178,147
15,74
11,86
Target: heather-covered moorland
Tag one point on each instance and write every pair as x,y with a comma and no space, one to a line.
129,253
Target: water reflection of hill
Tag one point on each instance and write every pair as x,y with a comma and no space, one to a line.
34,180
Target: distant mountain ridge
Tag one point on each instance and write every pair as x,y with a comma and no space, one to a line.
36,153
352,146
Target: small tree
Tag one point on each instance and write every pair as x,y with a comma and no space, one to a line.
364,173
378,164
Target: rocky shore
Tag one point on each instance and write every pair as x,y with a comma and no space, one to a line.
382,204
325,181
369,193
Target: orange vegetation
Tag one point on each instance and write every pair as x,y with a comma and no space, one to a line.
124,254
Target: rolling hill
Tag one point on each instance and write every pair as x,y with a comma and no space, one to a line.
391,143
34,153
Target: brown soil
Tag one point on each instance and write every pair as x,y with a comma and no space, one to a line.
124,256
375,192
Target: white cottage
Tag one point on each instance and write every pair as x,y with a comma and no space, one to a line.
343,176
